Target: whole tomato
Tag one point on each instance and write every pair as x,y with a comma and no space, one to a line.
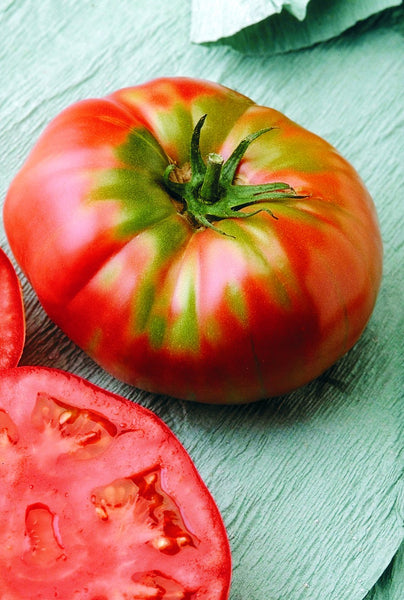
195,243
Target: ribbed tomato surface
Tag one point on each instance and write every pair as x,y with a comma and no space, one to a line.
184,294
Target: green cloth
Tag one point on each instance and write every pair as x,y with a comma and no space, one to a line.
273,26
212,20
310,485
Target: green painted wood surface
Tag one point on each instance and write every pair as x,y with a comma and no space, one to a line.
310,485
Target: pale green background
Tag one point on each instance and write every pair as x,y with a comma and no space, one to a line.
310,485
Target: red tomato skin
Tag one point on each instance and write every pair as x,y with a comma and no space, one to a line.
61,487
12,314
187,311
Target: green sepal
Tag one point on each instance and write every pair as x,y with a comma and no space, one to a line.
210,194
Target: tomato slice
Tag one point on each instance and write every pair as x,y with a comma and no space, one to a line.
99,500
12,317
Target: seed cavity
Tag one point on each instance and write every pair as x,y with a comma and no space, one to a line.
158,586
83,432
8,429
150,506
44,542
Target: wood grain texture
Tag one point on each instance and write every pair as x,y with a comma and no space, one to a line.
310,485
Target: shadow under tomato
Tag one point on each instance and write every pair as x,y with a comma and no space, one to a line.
342,383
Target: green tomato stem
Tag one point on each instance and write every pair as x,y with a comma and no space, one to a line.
210,188
210,194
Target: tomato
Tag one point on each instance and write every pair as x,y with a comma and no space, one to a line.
195,243
99,500
12,316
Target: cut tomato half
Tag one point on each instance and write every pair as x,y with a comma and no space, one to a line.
12,317
99,500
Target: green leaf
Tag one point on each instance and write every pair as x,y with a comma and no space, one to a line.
263,28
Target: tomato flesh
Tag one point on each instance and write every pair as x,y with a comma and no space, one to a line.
99,500
12,318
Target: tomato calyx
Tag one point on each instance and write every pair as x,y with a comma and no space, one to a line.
210,193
